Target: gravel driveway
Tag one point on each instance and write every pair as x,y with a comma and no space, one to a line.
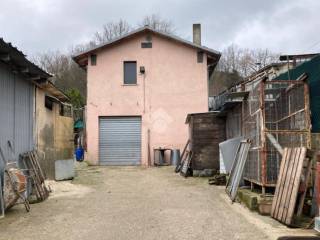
137,203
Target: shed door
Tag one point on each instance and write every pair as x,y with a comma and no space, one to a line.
120,140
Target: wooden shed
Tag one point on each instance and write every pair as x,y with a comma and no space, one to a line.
206,131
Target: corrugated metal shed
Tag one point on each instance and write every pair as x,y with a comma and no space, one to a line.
18,77
16,114
312,69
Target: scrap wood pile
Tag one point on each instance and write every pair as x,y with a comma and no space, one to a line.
218,179
39,188
184,167
295,170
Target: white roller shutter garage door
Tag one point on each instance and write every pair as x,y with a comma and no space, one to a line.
120,141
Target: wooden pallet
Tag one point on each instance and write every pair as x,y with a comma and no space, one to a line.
37,175
295,163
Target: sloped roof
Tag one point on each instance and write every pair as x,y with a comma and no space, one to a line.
207,50
53,90
15,59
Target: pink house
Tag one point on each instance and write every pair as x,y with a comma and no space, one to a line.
140,88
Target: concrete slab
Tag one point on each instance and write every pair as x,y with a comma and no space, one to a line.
64,169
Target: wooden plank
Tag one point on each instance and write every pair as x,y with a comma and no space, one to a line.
303,195
282,183
276,198
296,185
186,165
290,180
37,168
285,163
184,149
286,184
37,179
34,177
36,159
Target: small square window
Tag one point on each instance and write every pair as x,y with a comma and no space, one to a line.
65,110
148,37
48,103
200,57
146,45
93,59
130,72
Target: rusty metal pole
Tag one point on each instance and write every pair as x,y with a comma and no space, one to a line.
317,183
307,112
263,153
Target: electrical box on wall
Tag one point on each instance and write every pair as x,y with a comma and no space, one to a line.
142,70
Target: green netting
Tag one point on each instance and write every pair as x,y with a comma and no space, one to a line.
312,68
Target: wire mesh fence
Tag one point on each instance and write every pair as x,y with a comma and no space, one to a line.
275,115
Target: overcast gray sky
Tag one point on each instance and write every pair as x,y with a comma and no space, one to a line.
284,26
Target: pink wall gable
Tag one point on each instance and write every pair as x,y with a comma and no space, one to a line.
173,85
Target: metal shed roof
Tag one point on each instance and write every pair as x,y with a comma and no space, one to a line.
18,62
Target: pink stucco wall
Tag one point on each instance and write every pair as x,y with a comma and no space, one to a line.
173,86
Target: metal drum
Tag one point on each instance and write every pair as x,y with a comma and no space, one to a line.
175,157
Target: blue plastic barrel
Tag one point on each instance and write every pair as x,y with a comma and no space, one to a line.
79,154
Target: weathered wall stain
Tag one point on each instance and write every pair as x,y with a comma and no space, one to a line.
54,135
47,135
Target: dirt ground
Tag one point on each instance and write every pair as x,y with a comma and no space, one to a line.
138,203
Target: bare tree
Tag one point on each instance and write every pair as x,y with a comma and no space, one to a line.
237,63
245,61
117,29
111,31
74,50
156,22
66,73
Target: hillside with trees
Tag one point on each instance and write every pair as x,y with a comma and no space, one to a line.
235,64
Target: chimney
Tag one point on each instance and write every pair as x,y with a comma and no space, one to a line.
197,33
